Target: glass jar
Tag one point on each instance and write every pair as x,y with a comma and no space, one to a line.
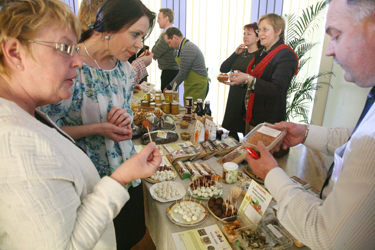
175,108
147,96
175,95
158,105
145,103
188,101
152,104
157,98
166,107
230,172
169,96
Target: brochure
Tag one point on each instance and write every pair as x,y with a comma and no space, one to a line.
255,203
206,238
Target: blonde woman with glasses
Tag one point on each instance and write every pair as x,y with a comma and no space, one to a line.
51,196
268,75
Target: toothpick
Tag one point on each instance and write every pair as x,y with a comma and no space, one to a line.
149,135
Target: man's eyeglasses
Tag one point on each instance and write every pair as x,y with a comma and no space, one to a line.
262,30
68,49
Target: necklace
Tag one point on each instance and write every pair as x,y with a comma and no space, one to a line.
97,64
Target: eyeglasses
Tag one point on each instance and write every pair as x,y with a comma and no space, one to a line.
68,49
262,30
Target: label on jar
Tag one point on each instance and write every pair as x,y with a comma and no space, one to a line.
169,96
158,98
189,101
188,110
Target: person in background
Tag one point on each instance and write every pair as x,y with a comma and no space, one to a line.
98,113
87,17
51,196
239,60
193,69
268,75
344,216
162,52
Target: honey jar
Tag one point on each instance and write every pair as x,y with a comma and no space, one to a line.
158,98
175,108
175,95
158,105
145,103
147,96
152,104
169,96
166,107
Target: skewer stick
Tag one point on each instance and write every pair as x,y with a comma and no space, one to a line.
149,135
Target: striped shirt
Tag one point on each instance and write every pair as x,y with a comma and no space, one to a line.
346,218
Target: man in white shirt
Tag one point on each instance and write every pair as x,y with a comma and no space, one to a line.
345,217
162,52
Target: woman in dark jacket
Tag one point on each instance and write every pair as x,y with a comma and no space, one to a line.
239,60
269,74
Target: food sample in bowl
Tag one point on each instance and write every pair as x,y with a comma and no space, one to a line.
223,77
266,133
185,136
184,124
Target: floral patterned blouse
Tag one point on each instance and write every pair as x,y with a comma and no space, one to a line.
94,93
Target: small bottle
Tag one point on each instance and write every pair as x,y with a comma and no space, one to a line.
207,109
199,110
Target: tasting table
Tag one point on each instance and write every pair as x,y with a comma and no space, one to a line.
305,163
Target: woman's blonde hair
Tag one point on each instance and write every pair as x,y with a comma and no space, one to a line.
23,19
87,12
277,22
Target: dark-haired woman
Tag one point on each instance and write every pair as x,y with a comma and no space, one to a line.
269,74
98,114
239,60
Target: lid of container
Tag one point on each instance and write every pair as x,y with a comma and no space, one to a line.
189,97
145,101
157,94
152,103
230,166
199,100
166,103
158,104
169,91
175,103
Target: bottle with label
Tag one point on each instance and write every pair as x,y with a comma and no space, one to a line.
199,110
207,109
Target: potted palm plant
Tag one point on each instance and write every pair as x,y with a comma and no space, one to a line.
302,87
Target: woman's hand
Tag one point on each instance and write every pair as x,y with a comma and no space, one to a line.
137,88
146,56
240,49
119,117
114,132
295,133
141,165
238,77
264,164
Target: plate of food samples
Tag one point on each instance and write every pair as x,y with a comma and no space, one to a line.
187,213
167,191
163,173
203,188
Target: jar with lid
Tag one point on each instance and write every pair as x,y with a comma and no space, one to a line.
157,98
189,101
230,172
166,107
158,92
147,96
207,109
199,110
152,104
145,103
158,105
175,108
169,96
175,95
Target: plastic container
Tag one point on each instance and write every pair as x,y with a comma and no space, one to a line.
278,234
249,244
268,134
230,172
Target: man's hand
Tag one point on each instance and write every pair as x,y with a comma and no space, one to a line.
264,164
295,133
